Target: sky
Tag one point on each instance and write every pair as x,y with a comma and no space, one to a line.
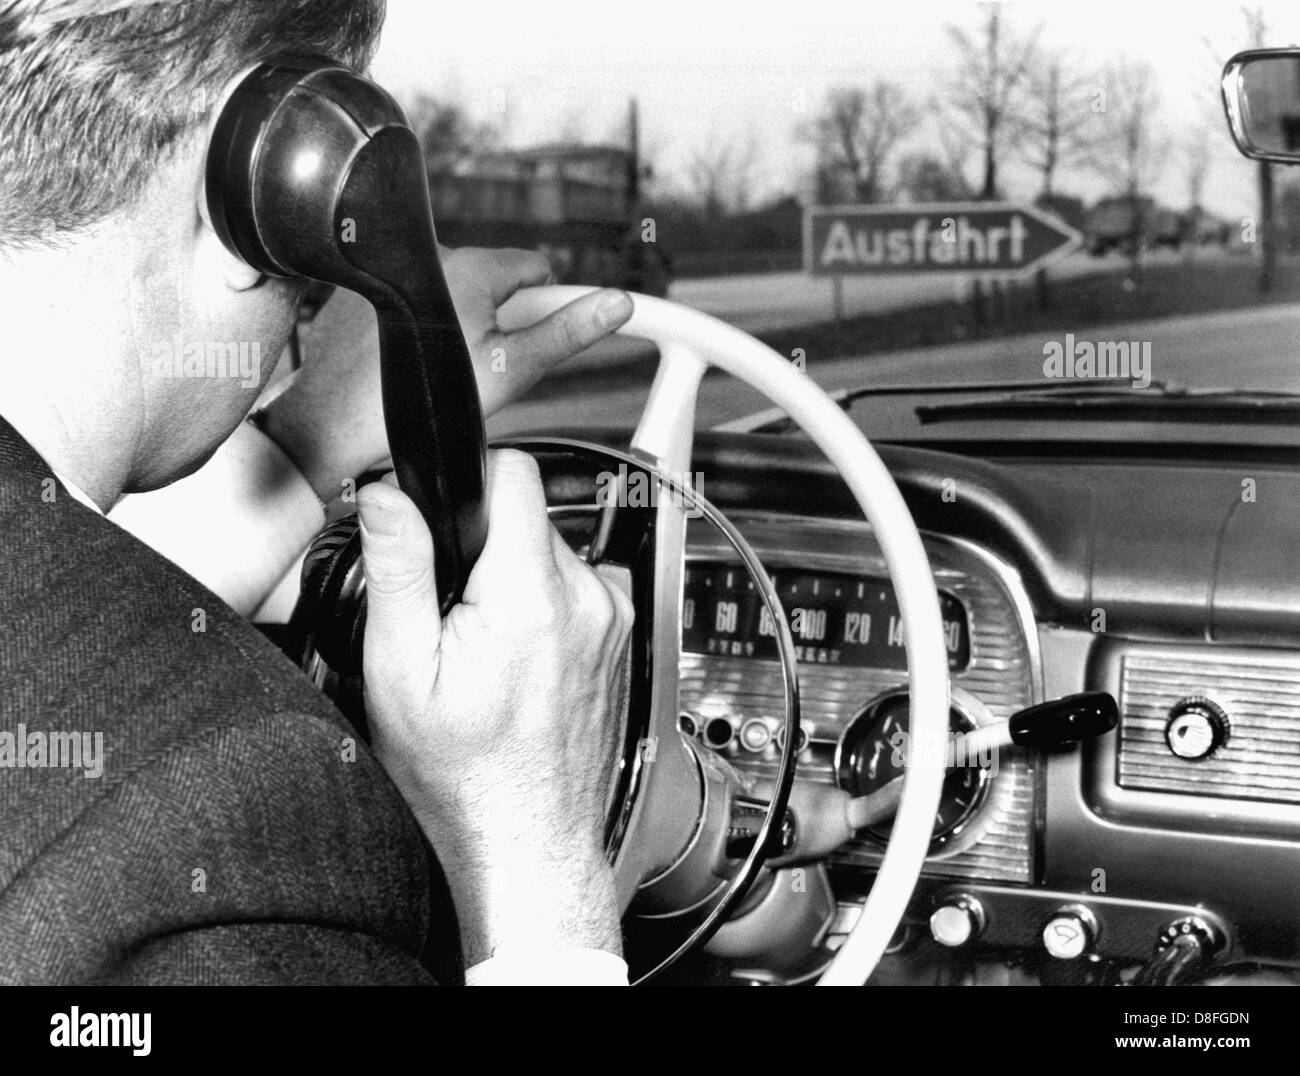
712,73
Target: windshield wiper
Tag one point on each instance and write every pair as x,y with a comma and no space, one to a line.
1057,399
775,420
1071,400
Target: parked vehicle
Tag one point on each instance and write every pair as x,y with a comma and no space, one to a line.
576,203
1127,223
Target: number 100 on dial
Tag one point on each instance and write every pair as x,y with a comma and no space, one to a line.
835,619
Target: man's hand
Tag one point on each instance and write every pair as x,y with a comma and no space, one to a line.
507,365
330,419
500,724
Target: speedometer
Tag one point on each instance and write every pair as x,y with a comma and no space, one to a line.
835,619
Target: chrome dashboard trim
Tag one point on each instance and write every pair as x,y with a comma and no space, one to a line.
1005,675
1015,589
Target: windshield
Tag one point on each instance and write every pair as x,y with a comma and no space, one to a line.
914,196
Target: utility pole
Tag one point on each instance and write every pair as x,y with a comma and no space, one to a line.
635,253
633,156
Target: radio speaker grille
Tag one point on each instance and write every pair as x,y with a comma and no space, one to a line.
1260,759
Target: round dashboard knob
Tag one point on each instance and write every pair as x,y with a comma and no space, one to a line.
957,921
1195,728
754,735
1070,932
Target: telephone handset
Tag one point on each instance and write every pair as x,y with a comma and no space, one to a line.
313,171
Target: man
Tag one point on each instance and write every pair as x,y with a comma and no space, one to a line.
223,826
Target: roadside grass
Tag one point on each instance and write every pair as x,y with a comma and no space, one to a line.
1104,297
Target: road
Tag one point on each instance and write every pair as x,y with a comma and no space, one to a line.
1257,348
762,302
766,302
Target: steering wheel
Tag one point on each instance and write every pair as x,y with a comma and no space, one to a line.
312,171
688,343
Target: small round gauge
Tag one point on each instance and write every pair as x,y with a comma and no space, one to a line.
872,752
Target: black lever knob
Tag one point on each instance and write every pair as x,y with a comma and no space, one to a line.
1067,720
1049,724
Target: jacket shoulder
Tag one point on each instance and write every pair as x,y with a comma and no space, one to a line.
210,785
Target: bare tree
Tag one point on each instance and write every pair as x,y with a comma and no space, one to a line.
1196,161
1129,152
1052,116
955,153
723,174
856,136
994,62
447,132
925,177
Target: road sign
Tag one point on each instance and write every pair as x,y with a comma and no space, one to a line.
971,238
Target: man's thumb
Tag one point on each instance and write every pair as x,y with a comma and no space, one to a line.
402,621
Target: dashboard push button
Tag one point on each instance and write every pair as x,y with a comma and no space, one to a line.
957,921
755,735
1070,933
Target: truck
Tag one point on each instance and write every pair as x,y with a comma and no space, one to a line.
576,203
1129,224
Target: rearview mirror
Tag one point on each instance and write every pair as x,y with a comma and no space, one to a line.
1261,94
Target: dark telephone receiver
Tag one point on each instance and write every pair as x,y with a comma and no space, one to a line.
313,172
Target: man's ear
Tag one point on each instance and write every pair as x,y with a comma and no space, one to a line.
233,271
218,262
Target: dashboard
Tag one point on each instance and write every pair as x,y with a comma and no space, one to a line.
1177,757
1150,578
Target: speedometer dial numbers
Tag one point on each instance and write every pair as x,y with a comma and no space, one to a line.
836,619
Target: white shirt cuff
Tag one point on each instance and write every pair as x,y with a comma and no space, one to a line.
549,967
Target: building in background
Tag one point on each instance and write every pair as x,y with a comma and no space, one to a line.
579,204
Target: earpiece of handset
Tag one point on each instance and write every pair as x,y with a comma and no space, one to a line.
314,172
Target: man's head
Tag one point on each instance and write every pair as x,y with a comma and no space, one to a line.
95,94
104,110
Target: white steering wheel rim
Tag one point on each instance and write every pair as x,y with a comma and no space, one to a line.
688,340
